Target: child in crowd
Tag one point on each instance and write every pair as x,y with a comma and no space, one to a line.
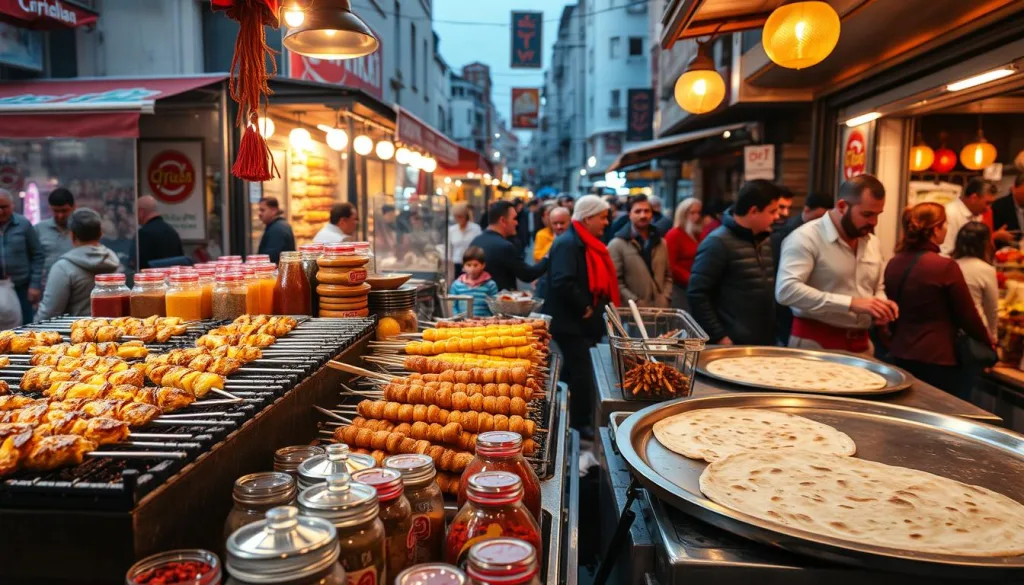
474,281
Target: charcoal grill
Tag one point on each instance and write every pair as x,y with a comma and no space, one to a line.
131,507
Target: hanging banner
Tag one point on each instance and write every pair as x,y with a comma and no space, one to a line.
172,172
525,107
526,39
365,73
640,115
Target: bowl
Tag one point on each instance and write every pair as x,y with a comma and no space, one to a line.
387,280
514,307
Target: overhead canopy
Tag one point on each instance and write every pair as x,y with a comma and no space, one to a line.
415,132
664,147
45,14
685,19
86,108
470,161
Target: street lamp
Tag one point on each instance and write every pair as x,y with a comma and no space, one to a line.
701,88
592,161
583,172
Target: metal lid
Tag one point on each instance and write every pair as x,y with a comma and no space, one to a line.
112,278
499,444
501,560
416,469
268,488
283,548
494,488
432,574
287,459
388,482
336,459
340,500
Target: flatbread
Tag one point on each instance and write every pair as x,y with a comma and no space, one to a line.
796,374
868,503
712,434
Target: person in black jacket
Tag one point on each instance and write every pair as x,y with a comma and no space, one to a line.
504,259
157,239
815,206
1007,212
277,236
732,285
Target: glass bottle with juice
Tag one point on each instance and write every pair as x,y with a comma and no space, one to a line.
184,297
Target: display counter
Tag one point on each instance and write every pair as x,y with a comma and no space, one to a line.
1001,390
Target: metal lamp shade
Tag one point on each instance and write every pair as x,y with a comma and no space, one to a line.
331,31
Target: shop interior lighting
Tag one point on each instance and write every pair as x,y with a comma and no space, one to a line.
700,89
300,138
363,145
980,79
294,15
447,180
416,160
337,139
487,176
495,182
458,182
402,156
592,161
978,154
472,175
921,155
429,164
330,30
726,134
385,149
863,119
798,35
266,126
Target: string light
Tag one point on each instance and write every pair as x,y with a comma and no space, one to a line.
402,156
385,150
363,145
337,139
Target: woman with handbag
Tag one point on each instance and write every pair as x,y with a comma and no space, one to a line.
939,336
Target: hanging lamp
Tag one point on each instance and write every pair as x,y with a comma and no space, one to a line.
978,154
385,149
921,155
330,30
801,34
299,137
337,139
402,156
266,126
700,89
945,159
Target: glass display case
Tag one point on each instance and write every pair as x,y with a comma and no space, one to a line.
410,234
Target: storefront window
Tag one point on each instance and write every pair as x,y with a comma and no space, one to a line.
411,233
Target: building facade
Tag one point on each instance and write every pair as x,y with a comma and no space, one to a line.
562,136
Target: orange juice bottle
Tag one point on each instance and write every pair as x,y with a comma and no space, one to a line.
252,290
184,296
266,275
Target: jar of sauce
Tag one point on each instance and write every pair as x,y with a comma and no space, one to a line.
288,459
148,296
207,280
336,459
257,258
110,297
353,510
503,451
229,296
310,254
184,296
252,290
285,548
395,513
256,493
494,509
432,574
508,561
291,291
427,503
266,276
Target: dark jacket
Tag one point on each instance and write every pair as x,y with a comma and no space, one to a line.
504,260
783,314
277,238
72,279
21,252
616,226
568,290
934,303
661,223
732,285
1004,212
523,232
157,239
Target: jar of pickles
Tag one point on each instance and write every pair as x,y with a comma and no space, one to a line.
494,509
256,493
427,503
285,548
503,451
432,574
508,561
229,296
110,297
148,296
184,297
336,459
395,513
288,459
353,510
207,280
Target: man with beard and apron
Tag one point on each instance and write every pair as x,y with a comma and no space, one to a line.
830,273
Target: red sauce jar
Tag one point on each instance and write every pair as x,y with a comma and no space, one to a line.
494,509
503,451
110,297
291,292
508,561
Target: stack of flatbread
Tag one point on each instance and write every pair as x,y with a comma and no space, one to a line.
787,373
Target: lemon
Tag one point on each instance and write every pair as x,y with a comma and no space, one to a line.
388,327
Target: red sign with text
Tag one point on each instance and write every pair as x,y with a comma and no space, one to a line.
365,73
525,107
526,39
855,155
171,176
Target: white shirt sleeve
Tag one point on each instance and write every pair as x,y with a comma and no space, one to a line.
990,302
954,221
796,263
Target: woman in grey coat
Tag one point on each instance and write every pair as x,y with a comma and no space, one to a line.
72,277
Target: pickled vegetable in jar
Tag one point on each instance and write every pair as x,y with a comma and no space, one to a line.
395,513
148,296
503,451
110,297
185,297
427,503
508,561
291,291
494,509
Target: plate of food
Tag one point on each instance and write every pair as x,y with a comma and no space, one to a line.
518,303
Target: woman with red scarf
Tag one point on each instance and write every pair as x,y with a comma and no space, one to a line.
580,282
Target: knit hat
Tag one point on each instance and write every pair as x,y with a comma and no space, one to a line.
588,206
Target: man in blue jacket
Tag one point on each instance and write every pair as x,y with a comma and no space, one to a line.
277,235
21,256
504,259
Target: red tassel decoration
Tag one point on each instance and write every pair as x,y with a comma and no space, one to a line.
254,162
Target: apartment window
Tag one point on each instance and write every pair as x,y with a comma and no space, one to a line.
426,72
590,59
636,46
616,95
398,34
412,53
614,47
614,109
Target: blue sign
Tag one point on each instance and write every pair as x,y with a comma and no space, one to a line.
526,39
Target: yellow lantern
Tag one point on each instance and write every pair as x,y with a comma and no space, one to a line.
921,155
978,154
701,88
800,34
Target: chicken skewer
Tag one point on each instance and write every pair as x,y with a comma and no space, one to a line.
276,328
128,351
506,390
397,443
489,331
98,364
166,398
198,383
15,342
40,378
136,414
260,340
29,450
180,357
475,422
441,364
223,366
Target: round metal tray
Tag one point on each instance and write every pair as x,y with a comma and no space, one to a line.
896,378
952,447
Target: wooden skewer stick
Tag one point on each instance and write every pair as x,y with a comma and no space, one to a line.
227,394
139,454
330,413
357,370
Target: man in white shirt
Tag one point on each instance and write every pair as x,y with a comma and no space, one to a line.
830,273
342,226
976,200
461,233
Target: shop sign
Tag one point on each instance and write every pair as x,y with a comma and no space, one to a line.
759,162
21,47
45,13
526,39
525,107
855,155
171,171
413,131
640,115
365,73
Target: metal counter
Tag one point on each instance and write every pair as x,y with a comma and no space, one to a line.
560,499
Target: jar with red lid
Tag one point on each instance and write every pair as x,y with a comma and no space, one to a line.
256,258
110,297
503,451
230,260
395,513
432,574
229,296
207,280
503,561
184,296
148,296
494,509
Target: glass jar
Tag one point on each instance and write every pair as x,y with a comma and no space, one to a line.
395,311
288,459
310,254
163,272
257,258
503,451
395,513
266,276
353,510
291,291
339,264
363,249
207,280
184,296
230,260
252,290
203,565
432,574
508,561
148,296
110,297
336,459
256,493
494,509
285,548
427,503
229,296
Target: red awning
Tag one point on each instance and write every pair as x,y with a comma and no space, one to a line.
45,14
411,130
86,108
470,161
